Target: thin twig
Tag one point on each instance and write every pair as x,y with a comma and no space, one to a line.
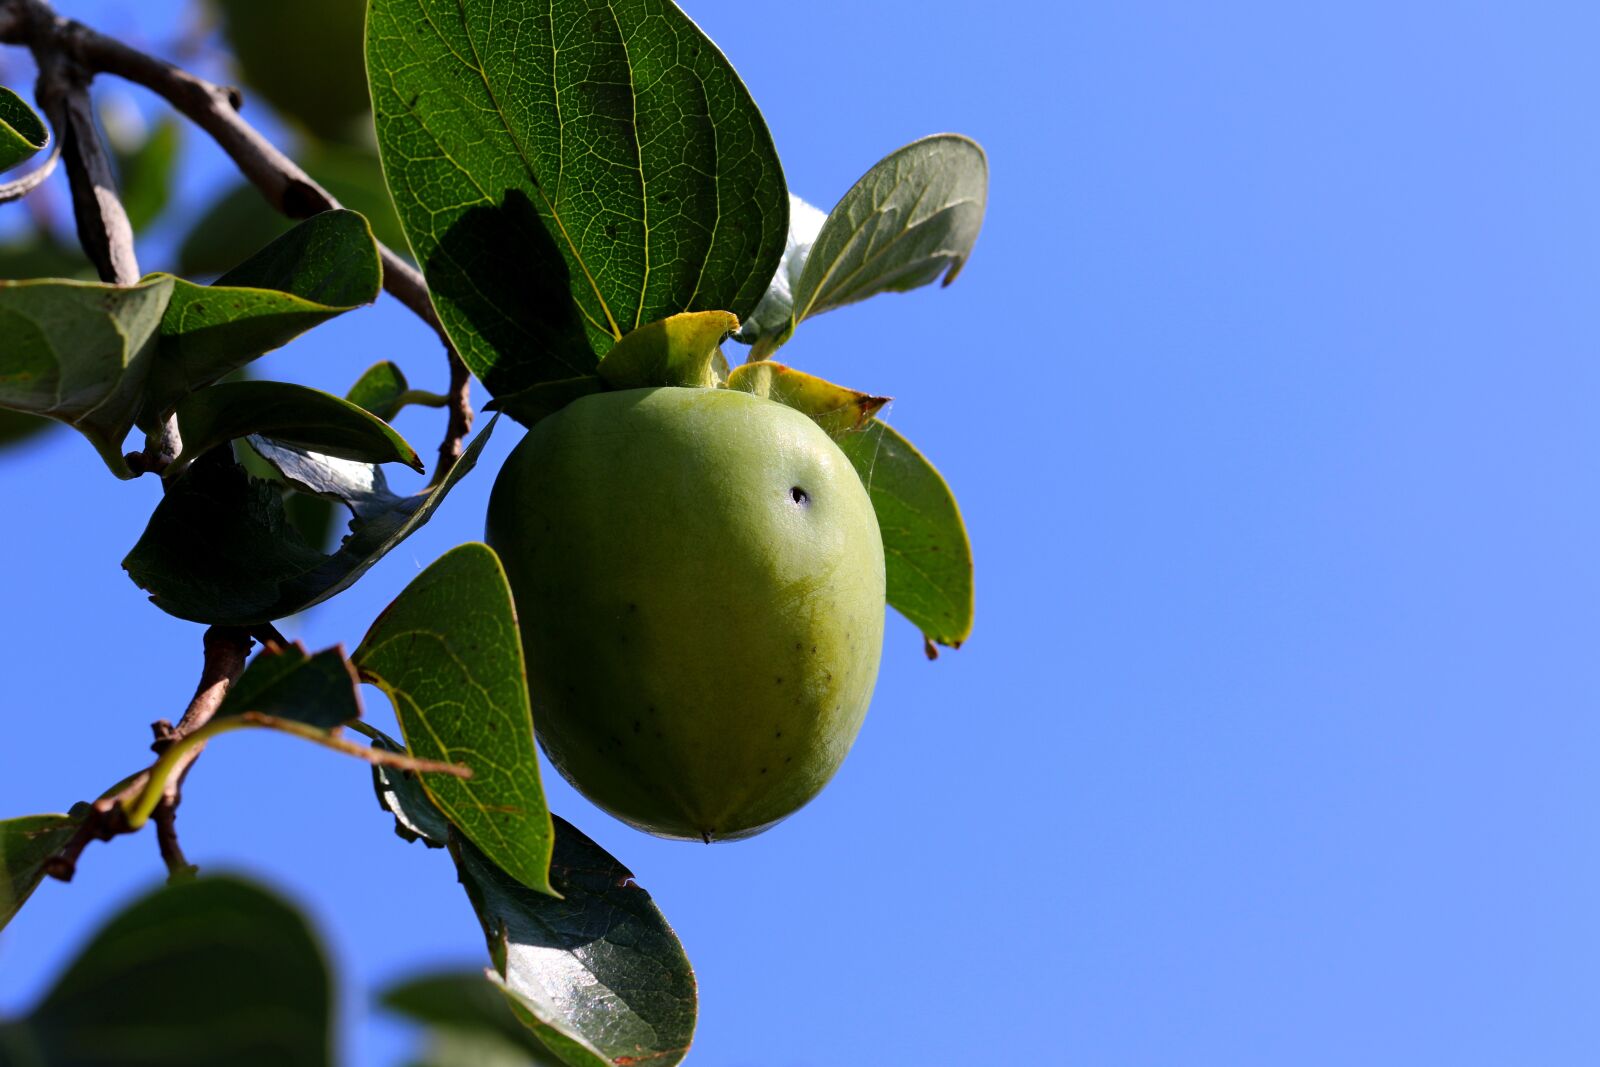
459,401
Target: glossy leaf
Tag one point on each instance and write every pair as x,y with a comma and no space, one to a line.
927,558
379,390
318,690
839,411
448,655
219,550
25,845
289,414
323,267
200,973
598,975
22,131
677,350
80,352
569,171
911,219
304,57
475,1014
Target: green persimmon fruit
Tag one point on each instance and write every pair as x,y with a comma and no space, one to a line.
698,575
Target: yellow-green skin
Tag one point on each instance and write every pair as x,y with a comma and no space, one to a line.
699,580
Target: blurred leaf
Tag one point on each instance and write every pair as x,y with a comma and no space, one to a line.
25,845
475,1014
676,350
598,975
241,220
559,197
379,389
22,131
325,266
147,174
304,57
289,414
910,219
448,656
41,255
219,550
927,558
80,352
839,411
530,405
201,973
319,691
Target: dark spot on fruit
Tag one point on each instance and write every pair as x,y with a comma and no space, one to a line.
799,496
813,650
637,726
763,770
788,759
777,733
632,608
778,681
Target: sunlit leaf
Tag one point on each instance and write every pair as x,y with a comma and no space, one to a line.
448,656
567,172
22,131
837,410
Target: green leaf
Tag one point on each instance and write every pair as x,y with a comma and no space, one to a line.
205,972
304,57
319,690
676,350
598,975
448,656
569,171
146,173
25,845
15,427
325,266
839,411
241,221
22,131
927,558
80,352
219,549
290,414
400,793
472,1009
379,389
530,405
910,219
773,314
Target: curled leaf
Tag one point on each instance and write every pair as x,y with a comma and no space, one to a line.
839,411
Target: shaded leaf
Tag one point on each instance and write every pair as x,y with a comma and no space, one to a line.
80,352
290,414
200,973
448,655
839,411
773,314
325,266
400,793
25,845
476,1015
927,557
379,389
530,405
598,975
219,550
911,219
567,172
15,427
318,690
22,131
304,57
676,350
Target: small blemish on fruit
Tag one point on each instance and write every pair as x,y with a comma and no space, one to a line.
637,726
799,496
763,770
777,733
777,681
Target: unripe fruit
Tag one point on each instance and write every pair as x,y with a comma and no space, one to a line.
699,582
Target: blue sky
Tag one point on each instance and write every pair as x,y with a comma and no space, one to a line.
1269,396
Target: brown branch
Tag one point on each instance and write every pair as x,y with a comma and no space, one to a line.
288,188
225,653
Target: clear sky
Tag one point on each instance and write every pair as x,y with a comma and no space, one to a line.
1270,396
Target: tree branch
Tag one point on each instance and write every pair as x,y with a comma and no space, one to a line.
287,187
